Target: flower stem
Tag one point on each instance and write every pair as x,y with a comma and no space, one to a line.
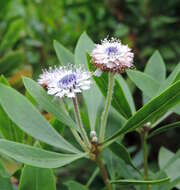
74,132
145,155
103,172
79,122
107,107
79,140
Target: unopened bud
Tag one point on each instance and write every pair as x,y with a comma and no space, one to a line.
148,124
93,134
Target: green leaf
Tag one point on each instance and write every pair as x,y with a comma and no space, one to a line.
10,61
140,182
156,67
170,163
119,101
8,129
120,151
28,118
73,185
152,111
33,178
4,7
127,92
164,129
93,99
12,35
171,78
35,156
63,54
3,80
144,82
47,102
5,183
84,45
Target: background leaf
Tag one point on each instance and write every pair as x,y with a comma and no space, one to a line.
170,163
5,183
12,35
144,82
120,151
84,45
33,178
164,129
63,54
10,61
73,185
156,67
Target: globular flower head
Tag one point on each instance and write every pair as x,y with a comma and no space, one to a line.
111,55
66,81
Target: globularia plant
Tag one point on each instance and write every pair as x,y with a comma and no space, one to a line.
85,79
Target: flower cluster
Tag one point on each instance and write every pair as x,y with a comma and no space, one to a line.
111,55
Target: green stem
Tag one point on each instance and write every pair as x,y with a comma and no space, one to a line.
145,155
107,107
79,140
96,171
79,122
103,172
74,132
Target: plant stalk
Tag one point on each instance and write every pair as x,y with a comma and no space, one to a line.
74,132
107,107
103,172
79,122
145,155
79,140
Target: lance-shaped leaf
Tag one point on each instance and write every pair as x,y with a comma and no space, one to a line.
84,45
35,156
8,129
170,163
152,111
10,61
127,92
93,98
144,82
156,67
33,178
164,129
119,101
73,185
12,35
47,102
120,151
5,183
171,78
63,54
29,119
140,182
